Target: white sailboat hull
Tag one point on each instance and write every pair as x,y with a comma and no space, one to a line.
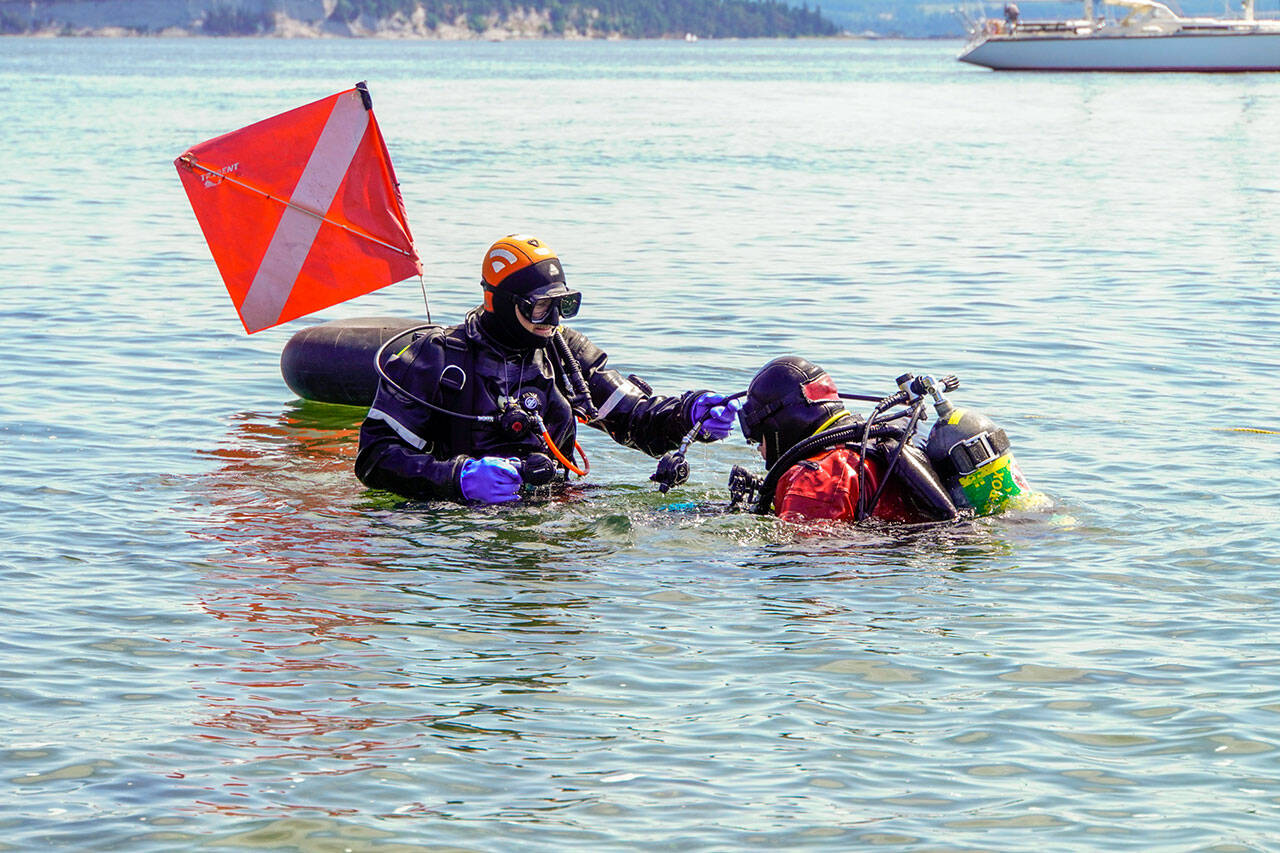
1182,51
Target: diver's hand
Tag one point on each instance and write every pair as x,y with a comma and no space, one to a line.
720,416
490,480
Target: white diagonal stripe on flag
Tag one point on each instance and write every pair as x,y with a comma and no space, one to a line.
297,230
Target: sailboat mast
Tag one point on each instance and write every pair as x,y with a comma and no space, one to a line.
1248,10
1088,10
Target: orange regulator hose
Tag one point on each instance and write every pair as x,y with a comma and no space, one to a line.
555,451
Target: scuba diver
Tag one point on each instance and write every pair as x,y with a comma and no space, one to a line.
826,462
474,412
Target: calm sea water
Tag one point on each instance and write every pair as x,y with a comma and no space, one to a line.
214,636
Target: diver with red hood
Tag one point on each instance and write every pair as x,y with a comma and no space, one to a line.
475,411
826,462
790,405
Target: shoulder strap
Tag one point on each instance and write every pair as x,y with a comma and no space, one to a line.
456,385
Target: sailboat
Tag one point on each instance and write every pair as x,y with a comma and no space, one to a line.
1149,37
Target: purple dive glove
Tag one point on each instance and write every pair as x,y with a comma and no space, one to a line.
489,480
720,416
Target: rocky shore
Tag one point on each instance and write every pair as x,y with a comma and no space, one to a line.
278,18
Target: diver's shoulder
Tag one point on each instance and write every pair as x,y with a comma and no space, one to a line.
430,344
579,343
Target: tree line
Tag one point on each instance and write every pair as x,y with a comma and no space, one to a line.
628,18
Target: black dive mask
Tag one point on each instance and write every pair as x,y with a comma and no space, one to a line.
548,309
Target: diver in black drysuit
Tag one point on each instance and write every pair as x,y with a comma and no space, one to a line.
508,358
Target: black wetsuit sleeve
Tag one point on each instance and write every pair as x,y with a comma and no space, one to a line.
398,434
386,461
628,411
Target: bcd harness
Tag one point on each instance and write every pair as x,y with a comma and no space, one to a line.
514,413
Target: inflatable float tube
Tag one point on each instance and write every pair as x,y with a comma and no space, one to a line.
333,362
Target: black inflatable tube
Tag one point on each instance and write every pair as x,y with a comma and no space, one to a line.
333,362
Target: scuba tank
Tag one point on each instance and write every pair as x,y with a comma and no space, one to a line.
971,455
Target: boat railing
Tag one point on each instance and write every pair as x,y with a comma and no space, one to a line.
997,28
1051,26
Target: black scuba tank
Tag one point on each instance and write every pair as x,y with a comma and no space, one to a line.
333,362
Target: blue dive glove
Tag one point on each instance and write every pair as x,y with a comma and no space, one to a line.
489,480
720,421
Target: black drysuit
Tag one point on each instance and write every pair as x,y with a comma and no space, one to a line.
416,451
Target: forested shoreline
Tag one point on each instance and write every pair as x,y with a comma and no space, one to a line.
420,18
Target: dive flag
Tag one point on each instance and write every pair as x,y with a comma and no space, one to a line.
301,211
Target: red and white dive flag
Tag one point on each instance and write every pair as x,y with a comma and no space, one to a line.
301,211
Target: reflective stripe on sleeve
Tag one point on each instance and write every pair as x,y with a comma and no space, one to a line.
619,394
400,429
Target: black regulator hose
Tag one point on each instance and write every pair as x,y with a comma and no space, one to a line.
870,507
824,440
863,510
581,393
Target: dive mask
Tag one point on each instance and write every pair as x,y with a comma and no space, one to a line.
747,425
538,308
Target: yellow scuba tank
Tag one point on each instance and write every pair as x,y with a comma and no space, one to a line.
972,456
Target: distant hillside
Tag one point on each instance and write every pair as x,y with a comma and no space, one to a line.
419,18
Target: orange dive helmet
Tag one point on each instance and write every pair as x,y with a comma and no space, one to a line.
523,274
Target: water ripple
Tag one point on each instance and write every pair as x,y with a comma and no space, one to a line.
215,635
